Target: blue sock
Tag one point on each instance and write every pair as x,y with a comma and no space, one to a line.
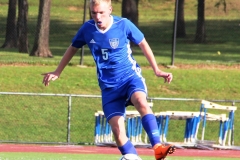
150,125
127,148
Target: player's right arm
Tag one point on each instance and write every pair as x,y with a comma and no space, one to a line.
64,61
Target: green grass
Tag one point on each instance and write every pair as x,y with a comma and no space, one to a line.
202,73
187,83
61,156
38,118
156,22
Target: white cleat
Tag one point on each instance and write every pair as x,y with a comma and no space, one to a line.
130,157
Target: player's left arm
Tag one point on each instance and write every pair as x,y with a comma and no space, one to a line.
151,59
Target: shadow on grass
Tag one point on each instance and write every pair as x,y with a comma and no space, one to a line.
221,35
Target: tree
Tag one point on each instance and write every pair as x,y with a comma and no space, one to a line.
22,26
41,43
11,31
200,36
130,10
181,33
84,20
222,2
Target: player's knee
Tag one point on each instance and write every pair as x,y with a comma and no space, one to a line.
141,105
143,108
140,102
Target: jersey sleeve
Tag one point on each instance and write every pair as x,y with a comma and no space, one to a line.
79,39
134,34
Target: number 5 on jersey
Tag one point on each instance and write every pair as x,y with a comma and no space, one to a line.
104,54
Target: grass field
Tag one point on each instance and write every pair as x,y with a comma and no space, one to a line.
49,112
201,72
155,21
61,156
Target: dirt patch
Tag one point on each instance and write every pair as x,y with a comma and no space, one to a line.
72,8
207,66
178,66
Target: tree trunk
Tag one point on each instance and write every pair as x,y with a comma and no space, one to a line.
130,10
22,26
200,32
11,30
41,43
181,33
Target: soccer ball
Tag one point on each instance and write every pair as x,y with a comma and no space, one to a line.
130,157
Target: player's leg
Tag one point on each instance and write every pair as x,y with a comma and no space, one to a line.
138,98
113,101
119,132
148,119
150,125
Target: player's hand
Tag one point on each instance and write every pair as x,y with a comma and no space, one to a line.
167,76
51,76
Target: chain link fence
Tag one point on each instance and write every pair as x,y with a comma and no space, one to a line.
69,119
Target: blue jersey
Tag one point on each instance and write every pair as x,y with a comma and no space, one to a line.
111,50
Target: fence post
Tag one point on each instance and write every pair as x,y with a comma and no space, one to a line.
69,118
232,134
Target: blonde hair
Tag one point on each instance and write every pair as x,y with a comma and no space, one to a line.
97,2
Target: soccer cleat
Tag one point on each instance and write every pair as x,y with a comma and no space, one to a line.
162,150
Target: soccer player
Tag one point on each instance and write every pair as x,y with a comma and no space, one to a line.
119,76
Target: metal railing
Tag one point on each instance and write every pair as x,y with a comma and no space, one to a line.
72,118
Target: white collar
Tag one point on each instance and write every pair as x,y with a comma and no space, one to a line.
110,25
